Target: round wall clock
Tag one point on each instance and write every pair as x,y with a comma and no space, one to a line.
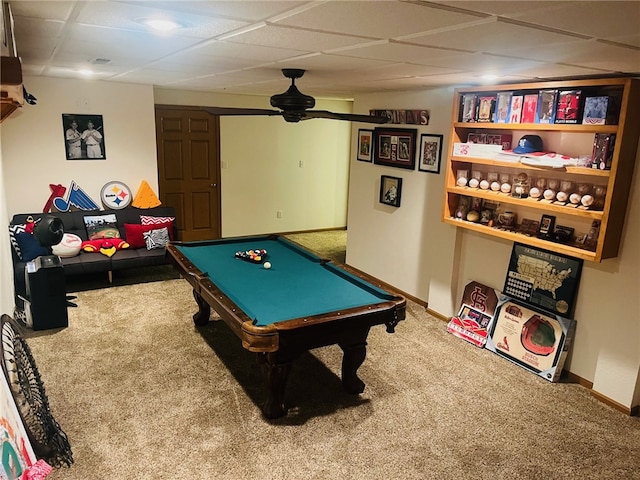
115,195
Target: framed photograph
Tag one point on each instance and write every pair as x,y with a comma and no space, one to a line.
83,137
543,278
390,190
365,145
395,147
430,153
547,226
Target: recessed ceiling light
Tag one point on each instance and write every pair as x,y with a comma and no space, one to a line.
489,77
160,24
85,72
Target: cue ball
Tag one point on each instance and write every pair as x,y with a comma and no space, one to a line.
266,265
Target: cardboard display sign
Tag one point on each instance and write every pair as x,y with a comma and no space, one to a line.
530,337
476,312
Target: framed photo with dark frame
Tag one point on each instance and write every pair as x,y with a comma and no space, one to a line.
395,147
543,278
365,145
83,137
390,190
430,153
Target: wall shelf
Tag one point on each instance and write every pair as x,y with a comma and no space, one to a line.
609,212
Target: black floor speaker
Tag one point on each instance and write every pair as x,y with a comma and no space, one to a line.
46,293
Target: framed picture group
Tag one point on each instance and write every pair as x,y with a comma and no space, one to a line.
397,147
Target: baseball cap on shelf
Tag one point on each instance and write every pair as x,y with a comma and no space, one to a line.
529,144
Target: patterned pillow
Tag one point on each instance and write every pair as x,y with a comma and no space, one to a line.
14,231
160,221
149,220
156,238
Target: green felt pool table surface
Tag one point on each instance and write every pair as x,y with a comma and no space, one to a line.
298,284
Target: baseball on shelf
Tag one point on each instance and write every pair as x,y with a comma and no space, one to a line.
495,186
462,182
484,185
474,182
575,198
473,216
505,188
549,194
535,192
587,200
562,196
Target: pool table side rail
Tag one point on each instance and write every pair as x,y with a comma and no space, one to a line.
263,339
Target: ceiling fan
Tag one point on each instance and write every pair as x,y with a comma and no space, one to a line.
294,106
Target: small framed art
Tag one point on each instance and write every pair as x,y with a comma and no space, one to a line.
430,153
390,190
395,147
365,145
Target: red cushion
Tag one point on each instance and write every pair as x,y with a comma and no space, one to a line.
134,233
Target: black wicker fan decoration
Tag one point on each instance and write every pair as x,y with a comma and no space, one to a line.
48,440
294,106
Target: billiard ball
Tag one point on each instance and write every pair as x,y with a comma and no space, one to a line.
267,265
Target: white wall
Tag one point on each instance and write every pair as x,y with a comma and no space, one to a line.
411,248
6,269
33,140
261,166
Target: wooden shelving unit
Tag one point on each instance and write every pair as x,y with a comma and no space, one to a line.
617,180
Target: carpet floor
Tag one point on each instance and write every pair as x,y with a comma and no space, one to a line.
142,393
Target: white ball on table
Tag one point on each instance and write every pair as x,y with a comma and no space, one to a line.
267,265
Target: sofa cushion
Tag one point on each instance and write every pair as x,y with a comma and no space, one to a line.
30,248
68,247
157,238
14,230
134,233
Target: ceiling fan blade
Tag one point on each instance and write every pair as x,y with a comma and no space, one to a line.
227,111
349,117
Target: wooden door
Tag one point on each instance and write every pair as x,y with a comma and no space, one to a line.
188,144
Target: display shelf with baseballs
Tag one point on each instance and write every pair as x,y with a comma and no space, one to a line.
578,172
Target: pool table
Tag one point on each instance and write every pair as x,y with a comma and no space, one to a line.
302,302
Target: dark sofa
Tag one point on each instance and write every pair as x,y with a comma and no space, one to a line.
85,262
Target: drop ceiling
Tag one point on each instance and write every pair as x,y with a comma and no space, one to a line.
347,47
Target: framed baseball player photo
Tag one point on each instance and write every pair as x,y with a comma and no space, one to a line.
83,137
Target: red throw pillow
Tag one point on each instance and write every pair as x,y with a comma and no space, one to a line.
134,233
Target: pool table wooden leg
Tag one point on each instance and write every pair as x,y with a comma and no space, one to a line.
204,311
353,357
276,374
